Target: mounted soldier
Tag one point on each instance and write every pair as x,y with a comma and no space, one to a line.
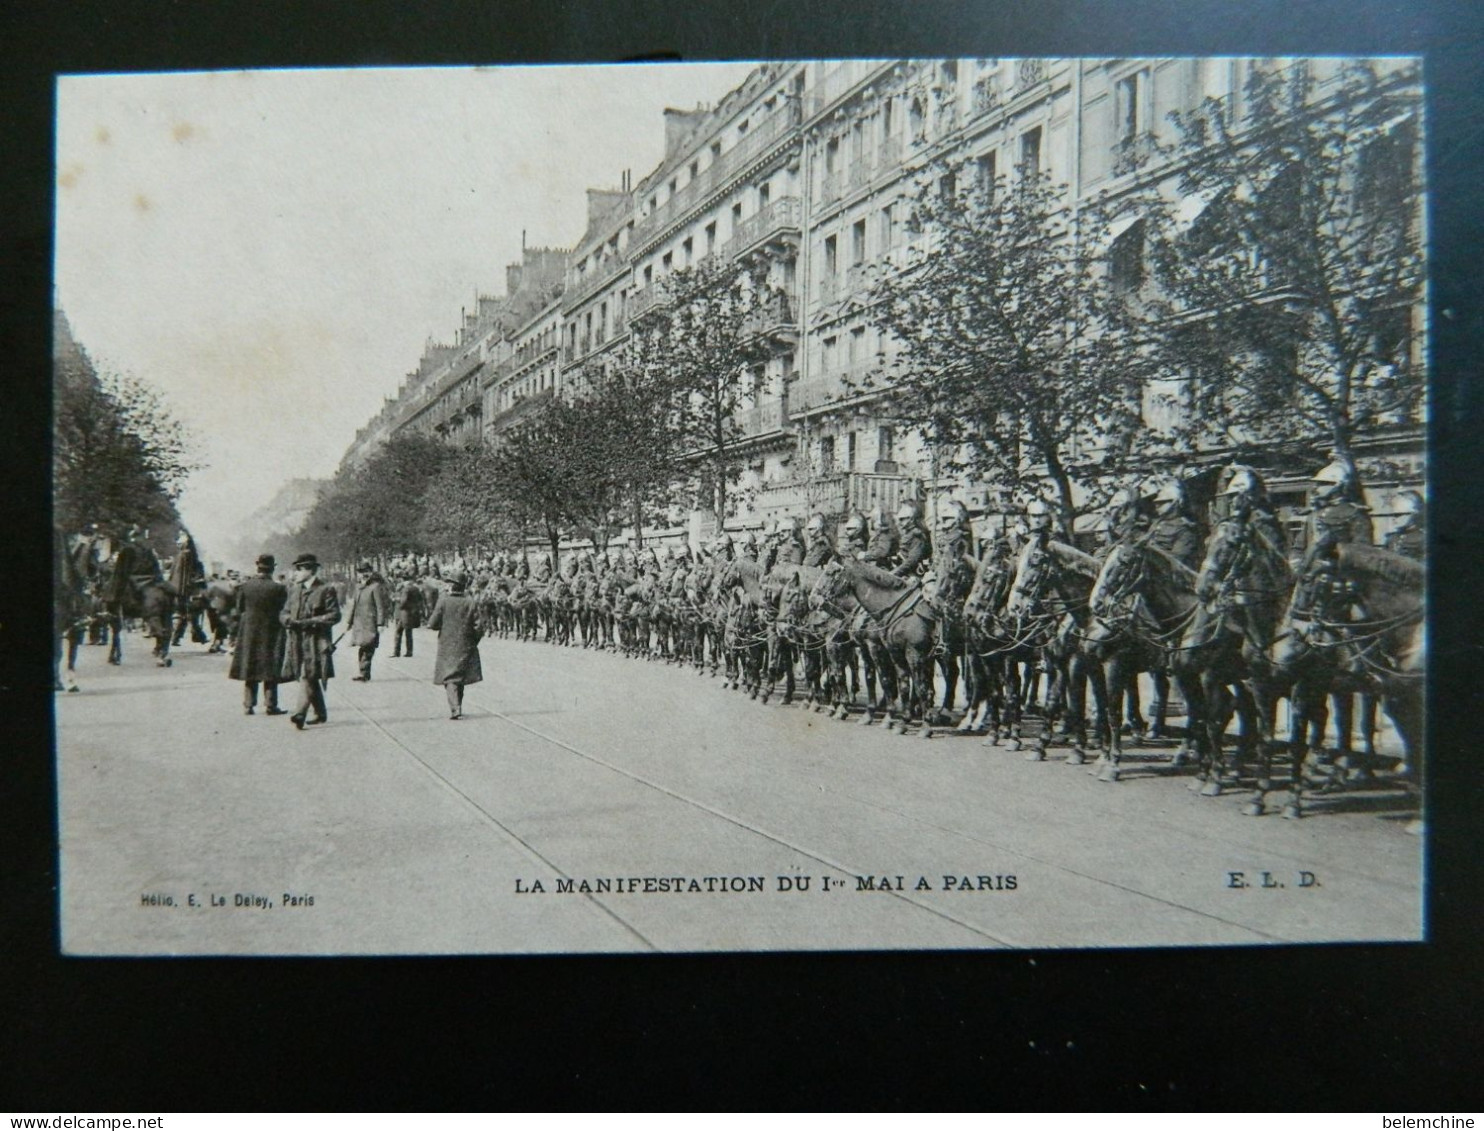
821,547
881,551
1410,538
915,548
1336,517
854,537
1174,530
188,579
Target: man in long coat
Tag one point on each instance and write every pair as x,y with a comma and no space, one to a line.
312,612
368,612
258,638
458,631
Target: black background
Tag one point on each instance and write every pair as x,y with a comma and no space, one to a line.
1357,1027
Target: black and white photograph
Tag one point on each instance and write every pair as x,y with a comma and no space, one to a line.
900,504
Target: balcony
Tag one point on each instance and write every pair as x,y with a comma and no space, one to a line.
646,299
773,316
519,411
1134,153
780,217
770,131
835,493
580,287
841,82
760,420
827,388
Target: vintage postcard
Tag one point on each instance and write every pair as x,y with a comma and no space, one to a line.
864,504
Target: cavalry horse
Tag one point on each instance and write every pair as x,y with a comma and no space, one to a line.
131,586
1141,604
737,588
1364,634
993,656
1048,610
908,628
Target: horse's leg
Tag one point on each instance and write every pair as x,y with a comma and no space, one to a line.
1116,677
1214,699
115,622
1159,704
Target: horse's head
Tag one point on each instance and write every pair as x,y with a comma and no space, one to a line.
829,586
1121,577
1032,572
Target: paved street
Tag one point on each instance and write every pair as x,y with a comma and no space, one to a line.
661,794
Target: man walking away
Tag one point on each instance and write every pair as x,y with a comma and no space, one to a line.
257,637
458,643
368,612
409,613
312,612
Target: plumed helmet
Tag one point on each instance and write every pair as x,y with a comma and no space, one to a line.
1337,472
749,539
816,524
855,523
1037,508
906,512
953,515
682,551
1169,490
1120,498
1243,481
723,539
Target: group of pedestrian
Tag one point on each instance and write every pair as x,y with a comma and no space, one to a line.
284,634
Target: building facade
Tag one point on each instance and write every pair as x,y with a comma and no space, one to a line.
804,177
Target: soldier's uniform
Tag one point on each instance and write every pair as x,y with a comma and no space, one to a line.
915,547
821,548
1243,568
1410,539
1334,519
853,538
881,551
1172,530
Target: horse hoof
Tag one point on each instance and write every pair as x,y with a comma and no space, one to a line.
1109,773
1076,758
865,720
1252,809
1036,755
1211,789
925,733
1292,812
1016,744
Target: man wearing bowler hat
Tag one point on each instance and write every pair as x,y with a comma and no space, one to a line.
311,613
258,637
369,610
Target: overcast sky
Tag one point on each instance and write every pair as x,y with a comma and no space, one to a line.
270,249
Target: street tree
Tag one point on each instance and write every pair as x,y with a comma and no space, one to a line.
1014,357
1292,293
119,454
700,348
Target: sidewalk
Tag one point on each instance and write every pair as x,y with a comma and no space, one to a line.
417,835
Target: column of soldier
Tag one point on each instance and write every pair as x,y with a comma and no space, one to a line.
769,610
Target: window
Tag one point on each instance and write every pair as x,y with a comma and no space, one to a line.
887,121
667,262
695,169
711,237
829,357
857,347
915,120
1126,260
1030,151
885,444
948,186
742,127
1129,96
764,194
850,452
858,242
831,259
715,152
888,228
736,217
831,156
984,176
686,250
827,455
